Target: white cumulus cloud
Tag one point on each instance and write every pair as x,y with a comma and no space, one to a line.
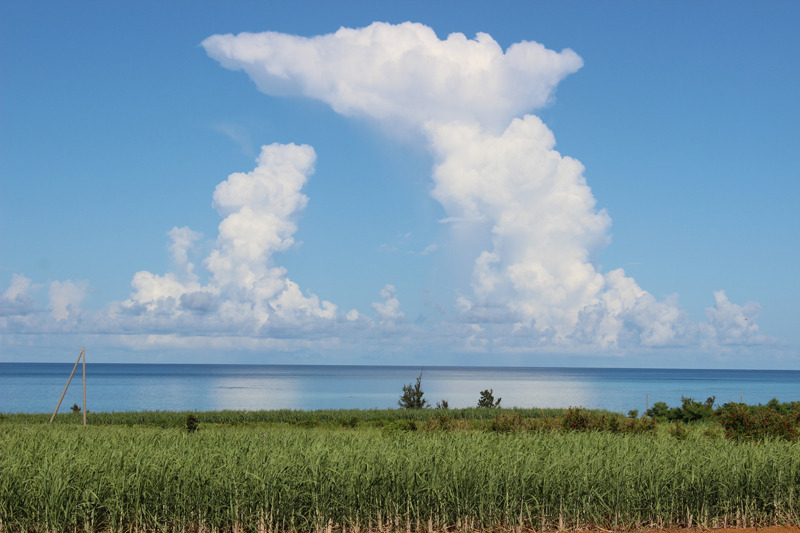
246,290
400,72
388,308
183,241
734,324
497,175
522,216
16,300
538,211
66,298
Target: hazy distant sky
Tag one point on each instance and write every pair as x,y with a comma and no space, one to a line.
491,183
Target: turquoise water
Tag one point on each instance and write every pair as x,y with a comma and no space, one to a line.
36,387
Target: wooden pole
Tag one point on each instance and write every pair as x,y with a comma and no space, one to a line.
67,386
83,352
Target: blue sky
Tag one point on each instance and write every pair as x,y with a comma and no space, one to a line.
420,199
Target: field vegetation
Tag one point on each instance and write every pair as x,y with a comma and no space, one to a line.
402,470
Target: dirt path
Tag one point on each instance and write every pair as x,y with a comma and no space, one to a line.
771,529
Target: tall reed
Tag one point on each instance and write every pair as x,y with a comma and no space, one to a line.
60,478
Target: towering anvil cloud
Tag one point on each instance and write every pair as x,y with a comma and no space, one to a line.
401,72
496,174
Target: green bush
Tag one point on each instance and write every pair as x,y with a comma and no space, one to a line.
659,411
412,397
689,411
577,419
401,426
487,400
693,411
637,426
506,423
444,423
351,422
191,423
743,422
309,423
790,409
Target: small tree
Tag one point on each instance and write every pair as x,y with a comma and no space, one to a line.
75,408
442,405
412,397
659,411
487,399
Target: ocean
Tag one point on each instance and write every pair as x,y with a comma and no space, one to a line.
36,387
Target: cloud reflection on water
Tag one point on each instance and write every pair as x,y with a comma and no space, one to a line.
35,387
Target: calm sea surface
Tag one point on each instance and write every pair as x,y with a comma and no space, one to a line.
36,387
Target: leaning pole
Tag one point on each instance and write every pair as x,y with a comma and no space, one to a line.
81,356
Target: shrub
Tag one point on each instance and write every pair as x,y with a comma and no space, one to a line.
543,424
351,422
637,426
412,397
487,399
442,422
401,426
689,411
577,419
742,422
790,409
693,411
191,423
659,411
442,405
506,423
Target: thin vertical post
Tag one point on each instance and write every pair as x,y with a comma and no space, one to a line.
83,352
67,386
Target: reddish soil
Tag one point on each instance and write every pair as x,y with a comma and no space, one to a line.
771,529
